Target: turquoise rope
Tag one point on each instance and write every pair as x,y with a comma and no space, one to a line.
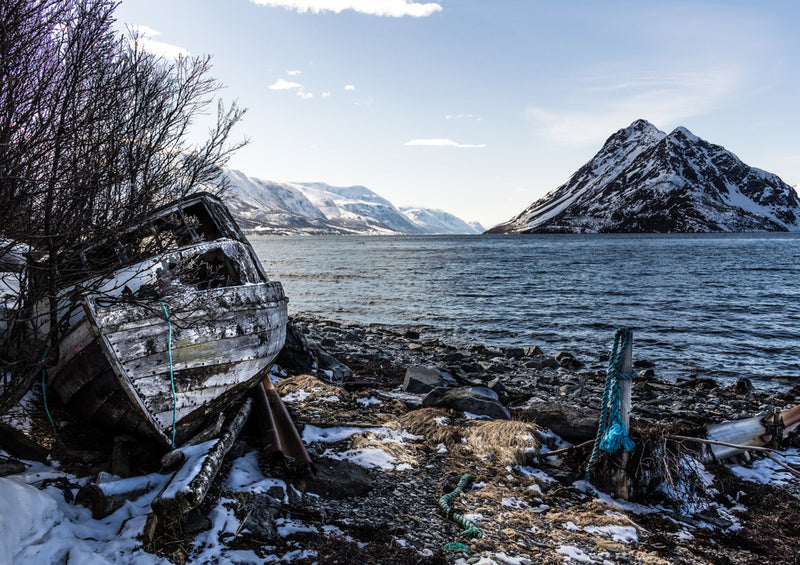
456,547
44,394
611,433
471,530
171,375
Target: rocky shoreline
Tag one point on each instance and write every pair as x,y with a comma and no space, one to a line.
536,509
395,418
379,356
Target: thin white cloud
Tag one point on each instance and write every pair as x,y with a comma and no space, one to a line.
349,87
471,117
283,84
691,60
440,142
293,73
390,8
326,94
609,104
143,38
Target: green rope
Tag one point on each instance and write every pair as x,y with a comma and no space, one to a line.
455,547
611,433
171,374
471,530
44,394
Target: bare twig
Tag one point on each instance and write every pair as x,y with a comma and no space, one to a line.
565,449
722,443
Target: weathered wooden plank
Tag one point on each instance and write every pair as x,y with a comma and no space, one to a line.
205,354
73,344
153,339
90,398
19,445
192,304
621,476
151,323
79,372
104,498
147,426
160,405
190,484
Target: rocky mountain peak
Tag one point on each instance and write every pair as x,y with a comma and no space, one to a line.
644,180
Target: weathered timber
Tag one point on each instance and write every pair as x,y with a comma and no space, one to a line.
176,457
10,466
621,475
104,498
730,438
189,485
19,445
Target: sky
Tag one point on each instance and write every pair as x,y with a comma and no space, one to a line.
480,107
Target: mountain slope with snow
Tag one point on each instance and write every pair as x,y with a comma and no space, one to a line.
272,207
645,180
436,221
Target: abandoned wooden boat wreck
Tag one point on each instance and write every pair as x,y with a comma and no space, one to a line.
186,323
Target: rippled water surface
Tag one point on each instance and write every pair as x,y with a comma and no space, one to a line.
715,305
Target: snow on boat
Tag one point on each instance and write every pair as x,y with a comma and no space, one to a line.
189,310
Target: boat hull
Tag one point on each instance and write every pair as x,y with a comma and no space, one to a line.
119,365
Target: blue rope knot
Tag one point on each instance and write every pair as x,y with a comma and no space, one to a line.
611,433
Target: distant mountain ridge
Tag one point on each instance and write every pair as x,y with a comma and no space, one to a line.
645,180
316,208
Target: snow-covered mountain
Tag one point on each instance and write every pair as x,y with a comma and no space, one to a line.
316,208
644,180
438,221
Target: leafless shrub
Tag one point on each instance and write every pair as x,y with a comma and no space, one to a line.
94,135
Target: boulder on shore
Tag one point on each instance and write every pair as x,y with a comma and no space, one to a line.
575,424
467,399
421,380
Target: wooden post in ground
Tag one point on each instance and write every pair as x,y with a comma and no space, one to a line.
621,476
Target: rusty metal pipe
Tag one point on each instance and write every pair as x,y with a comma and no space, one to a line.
280,439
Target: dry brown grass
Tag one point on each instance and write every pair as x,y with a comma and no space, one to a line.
507,442
310,384
433,424
504,442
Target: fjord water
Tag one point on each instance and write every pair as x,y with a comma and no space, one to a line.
722,306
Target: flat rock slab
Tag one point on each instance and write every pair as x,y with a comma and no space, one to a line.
467,399
339,479
573,423
421,380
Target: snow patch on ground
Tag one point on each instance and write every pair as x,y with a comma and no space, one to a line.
44,528
368,401
622,534
332,435
366,457
572,553
767,471
246,476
